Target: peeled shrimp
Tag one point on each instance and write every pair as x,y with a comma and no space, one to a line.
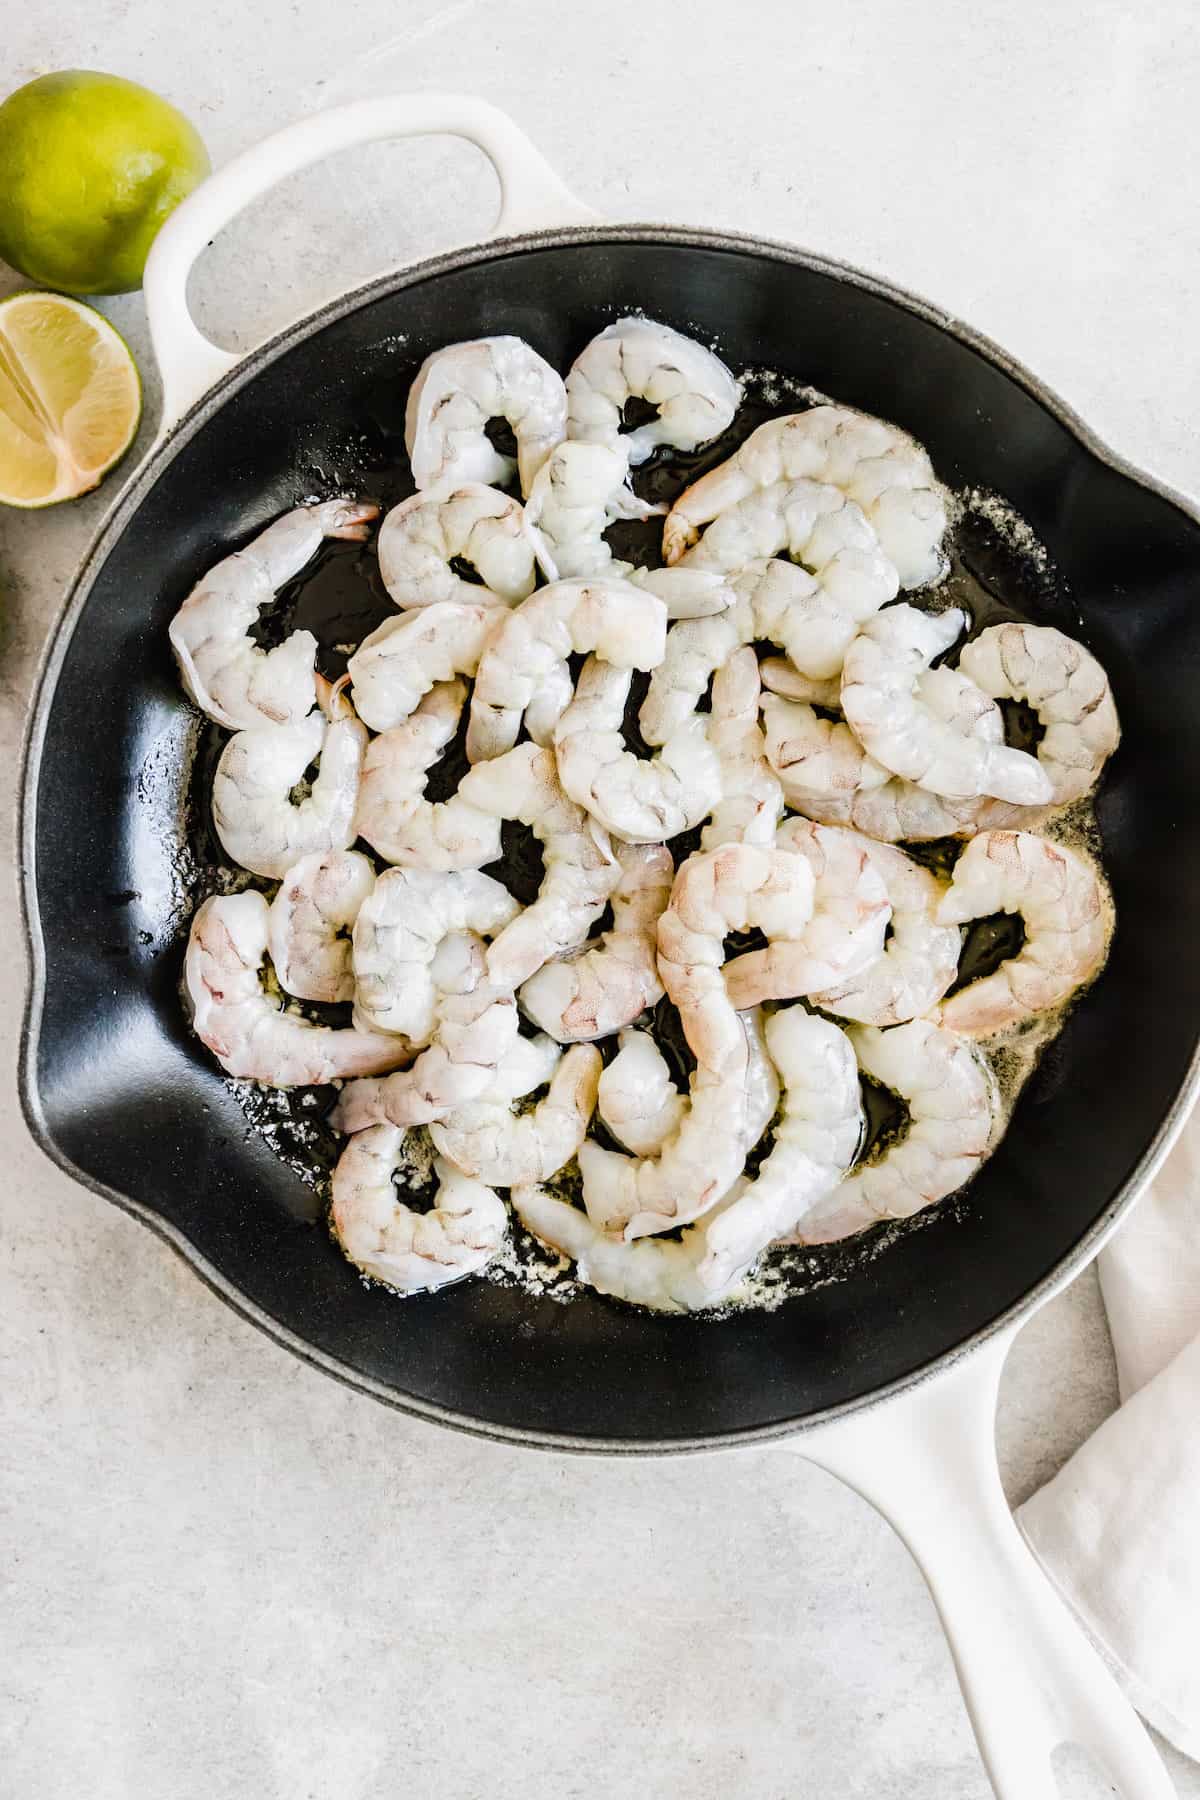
952,1108
637,1099
578,493
459,388
259,825
1059,897
850,915
228,676
476,1030
416,938
879,467
505,1148
1066,687
580,870
848,576
642,1107
605,987
686,593
920,958
411,1251
640,799
662,1275
621,624
779,675
693,650
636,358
310,919
828,775
692,1168
715,892
246,1029
393,814
403,658
815,1141
771,599
885,709
751,797
420,540
739,887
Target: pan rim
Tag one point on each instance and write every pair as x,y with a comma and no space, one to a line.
159,455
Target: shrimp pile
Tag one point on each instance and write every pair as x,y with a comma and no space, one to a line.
730,758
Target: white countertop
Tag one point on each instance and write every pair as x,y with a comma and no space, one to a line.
229,1576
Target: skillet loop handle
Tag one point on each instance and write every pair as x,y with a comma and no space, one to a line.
1030,1678
532,198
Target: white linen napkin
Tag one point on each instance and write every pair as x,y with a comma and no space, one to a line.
1118,1528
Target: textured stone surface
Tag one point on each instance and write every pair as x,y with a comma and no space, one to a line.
224,1574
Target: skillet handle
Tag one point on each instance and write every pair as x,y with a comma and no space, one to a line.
1030,1678
532,198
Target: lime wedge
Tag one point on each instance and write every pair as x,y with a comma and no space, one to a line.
70,399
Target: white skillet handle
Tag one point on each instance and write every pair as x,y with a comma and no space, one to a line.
1029,1676
532,198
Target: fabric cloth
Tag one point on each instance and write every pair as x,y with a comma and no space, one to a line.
1118,1528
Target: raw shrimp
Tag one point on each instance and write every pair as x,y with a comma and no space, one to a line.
779,675
885,709
715,892
578,493
882,469
246,1029
580,870
310,920
952,1106
635,358
499,1146
920,959
393,814
845,934
814,618
686,593
411,1251
751,800
642,1107
815,1142
477,1029
640,799
693,650
621,624
404,657
663,1275
1060,899
739,887
459,389
637,1099
848,576
1067,689
416,938
259,825
827,774
773,600
604,987
816,1139
228,676
420,540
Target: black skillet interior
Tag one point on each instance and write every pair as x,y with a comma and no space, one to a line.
124,1097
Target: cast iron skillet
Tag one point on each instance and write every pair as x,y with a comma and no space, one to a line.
121,1096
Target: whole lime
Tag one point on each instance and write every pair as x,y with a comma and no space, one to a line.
92,166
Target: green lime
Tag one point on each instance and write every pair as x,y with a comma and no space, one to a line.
92,166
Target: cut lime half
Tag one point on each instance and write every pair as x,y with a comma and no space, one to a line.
70,399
